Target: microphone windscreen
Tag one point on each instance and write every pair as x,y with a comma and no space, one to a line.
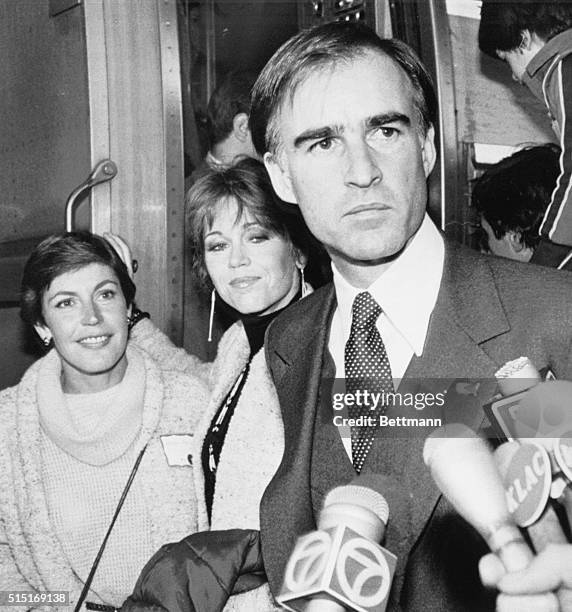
463,467
359,506
359,495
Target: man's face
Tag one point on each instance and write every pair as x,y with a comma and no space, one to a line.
353,158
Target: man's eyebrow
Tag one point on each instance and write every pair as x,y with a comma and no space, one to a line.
330,132
383,119
315,134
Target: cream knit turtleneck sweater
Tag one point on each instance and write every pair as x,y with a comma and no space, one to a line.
88,453
61,478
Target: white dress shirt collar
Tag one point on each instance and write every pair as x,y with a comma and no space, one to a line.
406,291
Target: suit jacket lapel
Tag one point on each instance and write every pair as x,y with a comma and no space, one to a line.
468,312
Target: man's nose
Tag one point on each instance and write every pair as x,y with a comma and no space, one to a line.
91,314
363,169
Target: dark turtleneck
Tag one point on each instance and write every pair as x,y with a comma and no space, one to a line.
255,327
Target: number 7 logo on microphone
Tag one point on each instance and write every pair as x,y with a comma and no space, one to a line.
338,565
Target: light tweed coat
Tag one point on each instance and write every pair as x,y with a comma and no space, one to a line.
31,555
253,446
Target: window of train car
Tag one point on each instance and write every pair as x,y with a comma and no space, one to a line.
217,37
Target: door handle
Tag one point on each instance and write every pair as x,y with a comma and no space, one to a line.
104,171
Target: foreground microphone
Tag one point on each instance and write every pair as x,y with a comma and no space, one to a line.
527,476
553,400
463,467
341,566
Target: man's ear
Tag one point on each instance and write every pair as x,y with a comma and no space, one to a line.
514,239
525,41
517,246
428,151
280,178
240,126
532,41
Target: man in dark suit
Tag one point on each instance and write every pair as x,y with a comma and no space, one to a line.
345,122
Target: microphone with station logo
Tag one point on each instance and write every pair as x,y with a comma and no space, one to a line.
463,468
342,566
527,478
535,409
553,400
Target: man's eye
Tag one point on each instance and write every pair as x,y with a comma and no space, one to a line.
322,145
388,132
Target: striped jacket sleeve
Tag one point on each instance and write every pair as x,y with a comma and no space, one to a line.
557,222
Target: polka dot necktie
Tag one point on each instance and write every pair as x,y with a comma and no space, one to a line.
367,367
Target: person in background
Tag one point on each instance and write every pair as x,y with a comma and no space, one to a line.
254,257
92,412
228,131
535,40
511,198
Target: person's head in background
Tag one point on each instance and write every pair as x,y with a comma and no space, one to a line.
514,31
511,198
77,294
227,119
245,243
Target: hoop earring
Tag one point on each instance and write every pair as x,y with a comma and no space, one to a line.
211,316
303,285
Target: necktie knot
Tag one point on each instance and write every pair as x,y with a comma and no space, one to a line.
365,311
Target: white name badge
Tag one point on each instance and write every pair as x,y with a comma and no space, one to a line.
178,449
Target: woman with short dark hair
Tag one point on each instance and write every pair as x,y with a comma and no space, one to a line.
94,414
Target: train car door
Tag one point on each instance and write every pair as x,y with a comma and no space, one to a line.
85,81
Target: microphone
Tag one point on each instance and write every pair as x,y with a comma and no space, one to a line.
562,465
526,473
341,566
552,401
463,467
532,410
527,476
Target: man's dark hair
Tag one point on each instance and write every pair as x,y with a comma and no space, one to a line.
61,253
513,194
326,45
502,22
230,98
